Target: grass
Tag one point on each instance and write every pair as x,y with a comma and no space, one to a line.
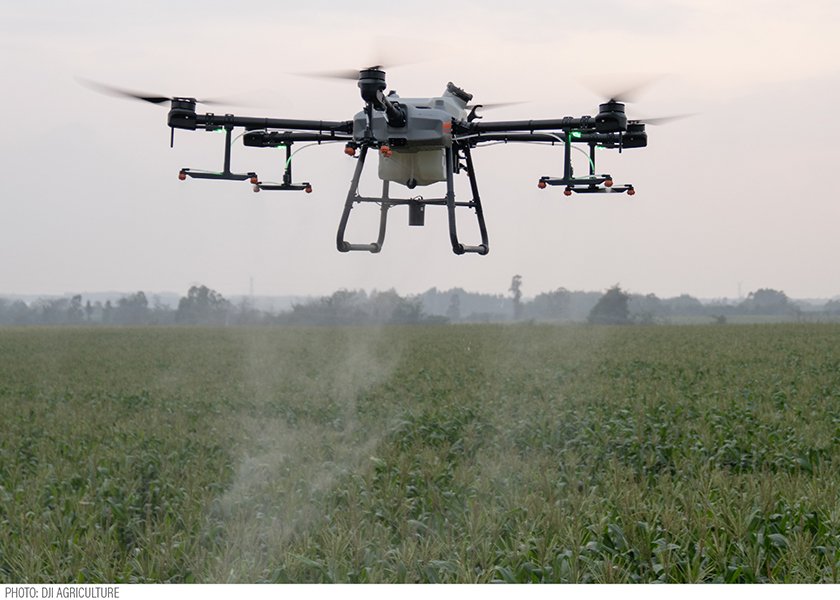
421,454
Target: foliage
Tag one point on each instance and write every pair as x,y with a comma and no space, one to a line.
768,301
202,306
431,454
612,308
132,309
347,307
553,305
516,295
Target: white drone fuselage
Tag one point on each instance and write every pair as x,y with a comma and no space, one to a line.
417,154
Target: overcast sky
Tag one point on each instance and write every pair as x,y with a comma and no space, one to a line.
740,195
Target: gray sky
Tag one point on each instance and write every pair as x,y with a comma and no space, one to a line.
740,194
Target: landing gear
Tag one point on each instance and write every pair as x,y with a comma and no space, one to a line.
416,206
592,184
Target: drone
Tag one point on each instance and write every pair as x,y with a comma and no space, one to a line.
420,142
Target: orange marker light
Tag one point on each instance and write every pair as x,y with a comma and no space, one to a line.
308,189
541,184
631,191
608,182
254,180
182,175
256,189
349,150
568,191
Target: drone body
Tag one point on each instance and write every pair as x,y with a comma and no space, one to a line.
415,151
420,142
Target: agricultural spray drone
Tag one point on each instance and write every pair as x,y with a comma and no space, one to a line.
420,141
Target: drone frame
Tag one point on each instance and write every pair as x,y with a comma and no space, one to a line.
609,129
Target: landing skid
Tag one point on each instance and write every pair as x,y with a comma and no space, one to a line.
416,207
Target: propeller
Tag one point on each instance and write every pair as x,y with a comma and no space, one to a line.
623,88
495,105
662,120
110,90
352,74
384,52
473,108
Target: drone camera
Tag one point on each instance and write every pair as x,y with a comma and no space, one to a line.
416,214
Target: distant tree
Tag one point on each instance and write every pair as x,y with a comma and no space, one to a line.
684,305
21,314
408,310
88,311
247,314
202,306
453,311
346,307
645,309
766,301
342,307
516,292
612,308
832,307
132,310
75,314
108,312
382,307
53,311
550,305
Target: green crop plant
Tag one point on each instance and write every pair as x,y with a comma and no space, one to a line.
527,453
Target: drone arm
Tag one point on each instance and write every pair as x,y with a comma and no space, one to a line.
566,123
179,120
558,137
270,139
394,113
269,123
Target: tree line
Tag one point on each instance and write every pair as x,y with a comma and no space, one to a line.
204,306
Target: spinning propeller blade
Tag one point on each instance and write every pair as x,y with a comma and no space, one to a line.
628,89
495,105
384,53
154,99
623,88
352,74
663,120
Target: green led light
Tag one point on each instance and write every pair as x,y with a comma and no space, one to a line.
575,134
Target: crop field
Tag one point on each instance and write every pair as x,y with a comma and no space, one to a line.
482,453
